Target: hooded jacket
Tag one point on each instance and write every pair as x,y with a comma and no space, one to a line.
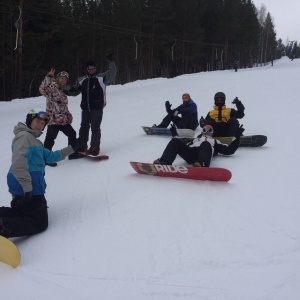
56,102
29,157
189,109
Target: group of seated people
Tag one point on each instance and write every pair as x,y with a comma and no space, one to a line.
219,122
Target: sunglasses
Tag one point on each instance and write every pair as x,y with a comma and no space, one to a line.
42,115
207,130
91,68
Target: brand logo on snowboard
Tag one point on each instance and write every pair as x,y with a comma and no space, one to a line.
153,169
171,169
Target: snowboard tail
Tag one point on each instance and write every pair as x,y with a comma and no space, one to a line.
212,174
246,141
9,253
97,157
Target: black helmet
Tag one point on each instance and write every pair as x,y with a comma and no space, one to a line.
37,113
220,98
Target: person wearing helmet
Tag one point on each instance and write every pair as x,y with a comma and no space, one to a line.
200,151
57,106
28,214
92,87
223,119
187,110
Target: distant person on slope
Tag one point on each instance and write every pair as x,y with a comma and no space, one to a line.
200,151
223,119
187,110
26,178
57,107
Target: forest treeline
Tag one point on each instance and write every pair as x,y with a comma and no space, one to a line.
148,38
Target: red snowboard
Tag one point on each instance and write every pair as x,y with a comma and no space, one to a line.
213,174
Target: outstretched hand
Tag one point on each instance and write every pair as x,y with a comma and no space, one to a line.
168,106
236,101
51,73
239,131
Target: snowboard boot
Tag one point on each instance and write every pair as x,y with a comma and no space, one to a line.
197,164
3,231
160,161
83,150
76,155
94,151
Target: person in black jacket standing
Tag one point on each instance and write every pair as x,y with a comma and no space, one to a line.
93,90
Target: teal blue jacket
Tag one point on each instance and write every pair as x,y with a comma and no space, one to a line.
29,158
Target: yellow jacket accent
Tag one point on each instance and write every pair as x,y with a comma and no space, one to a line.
225,115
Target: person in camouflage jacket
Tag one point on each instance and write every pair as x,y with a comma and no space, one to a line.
57,107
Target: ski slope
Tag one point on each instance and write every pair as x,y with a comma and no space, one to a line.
114,234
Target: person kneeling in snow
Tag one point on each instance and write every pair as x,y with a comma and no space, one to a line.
188,112
28,212
200,151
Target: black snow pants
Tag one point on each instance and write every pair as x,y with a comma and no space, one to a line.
185,122
52,132
91,119
25,221
202,154
224,128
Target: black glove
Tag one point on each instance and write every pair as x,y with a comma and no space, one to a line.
168,106
201,122
239,131
236,101
109,57
21,201
77,145
173,130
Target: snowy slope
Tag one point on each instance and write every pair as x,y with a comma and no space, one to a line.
114,234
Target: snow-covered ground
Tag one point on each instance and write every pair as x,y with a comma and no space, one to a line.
114,234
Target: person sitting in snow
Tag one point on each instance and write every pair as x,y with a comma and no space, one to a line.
223,119
200,151
187,110
28,214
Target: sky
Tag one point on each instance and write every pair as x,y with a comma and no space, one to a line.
114,234
285,18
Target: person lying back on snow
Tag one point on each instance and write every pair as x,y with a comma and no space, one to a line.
200,151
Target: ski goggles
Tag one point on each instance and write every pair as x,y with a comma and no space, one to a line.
63,74
42,115
91,68
207,130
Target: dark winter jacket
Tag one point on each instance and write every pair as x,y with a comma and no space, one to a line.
93,88
189,109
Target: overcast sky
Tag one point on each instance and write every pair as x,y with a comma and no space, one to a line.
286,17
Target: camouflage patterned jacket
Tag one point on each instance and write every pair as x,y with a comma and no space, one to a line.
56,102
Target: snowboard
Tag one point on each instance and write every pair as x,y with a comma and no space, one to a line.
184,133
246,141
212,174
9,253
97,157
